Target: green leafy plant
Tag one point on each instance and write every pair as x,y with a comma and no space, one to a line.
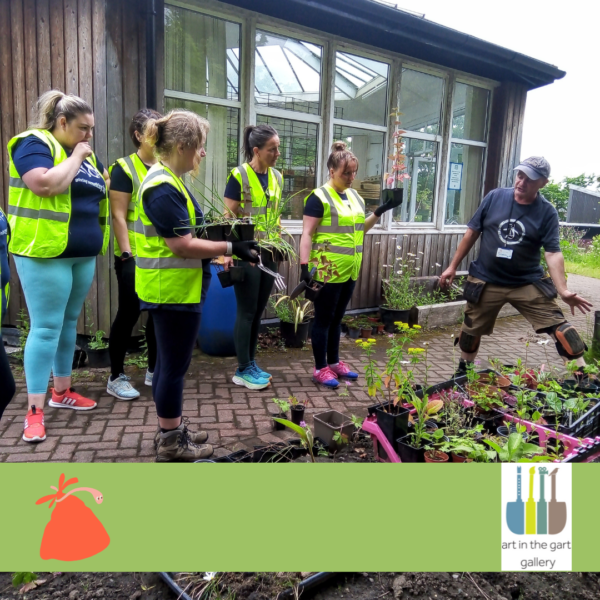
97,342
463,445
305,433
399,292
325,268
425,410
292,311
283,405
517,450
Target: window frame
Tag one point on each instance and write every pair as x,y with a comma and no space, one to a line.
250,21
453,140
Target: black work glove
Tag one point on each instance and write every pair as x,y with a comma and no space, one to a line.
246,250
305,273
389,205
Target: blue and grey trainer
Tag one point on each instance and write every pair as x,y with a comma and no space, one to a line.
148,379
263,374
121,389
251,378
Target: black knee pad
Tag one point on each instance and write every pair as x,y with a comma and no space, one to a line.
468,343
568,341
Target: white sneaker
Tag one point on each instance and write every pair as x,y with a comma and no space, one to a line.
121,389
148,380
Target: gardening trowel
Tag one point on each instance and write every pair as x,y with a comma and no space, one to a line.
557,511
303,285
530,506
542,506
515,511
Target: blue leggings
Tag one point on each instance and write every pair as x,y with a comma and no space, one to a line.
55,289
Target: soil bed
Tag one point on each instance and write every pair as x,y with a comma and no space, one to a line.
88,586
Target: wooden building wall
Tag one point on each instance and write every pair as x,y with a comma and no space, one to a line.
92,48
96,49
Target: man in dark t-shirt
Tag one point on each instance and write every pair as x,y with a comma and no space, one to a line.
514,224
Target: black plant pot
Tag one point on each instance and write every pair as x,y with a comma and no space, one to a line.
234,275
240,232
393,194
298,449
408,453
579,385
215,233
280,426
312,293
294,338
298,414
99,359
79,358
490,421
389,316
393,425
272,255
353,333
280,452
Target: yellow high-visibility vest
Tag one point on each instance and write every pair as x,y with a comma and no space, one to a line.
162,277
342,228
40,226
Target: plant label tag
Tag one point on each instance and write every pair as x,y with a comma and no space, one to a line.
504,253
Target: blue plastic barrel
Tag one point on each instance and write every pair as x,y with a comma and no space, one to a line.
218,318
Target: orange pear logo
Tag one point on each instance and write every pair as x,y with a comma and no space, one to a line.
74,532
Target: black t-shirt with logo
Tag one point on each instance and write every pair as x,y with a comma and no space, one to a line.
505,226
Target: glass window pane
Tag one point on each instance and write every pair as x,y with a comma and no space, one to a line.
298,160
222,148
288,73
464,183
469,114
368,148
421,98
361,88
201,54
419,190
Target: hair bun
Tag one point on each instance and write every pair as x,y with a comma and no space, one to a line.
339,146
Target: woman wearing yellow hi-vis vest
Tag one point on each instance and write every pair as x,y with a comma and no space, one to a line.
58,214
7,382
126,176
252,188
168,273
334,222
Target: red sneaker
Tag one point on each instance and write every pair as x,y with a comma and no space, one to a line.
34,430
71,399
325,377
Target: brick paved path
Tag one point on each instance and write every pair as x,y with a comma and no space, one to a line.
236,417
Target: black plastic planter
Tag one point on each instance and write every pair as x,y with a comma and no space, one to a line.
241,232
298,414
233,275
280,426
292,336
393,425
312,293
98,359
216,233
489,421
408,453
353,333
389,316
272,255
273,453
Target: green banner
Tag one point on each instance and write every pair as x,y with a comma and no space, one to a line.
251,517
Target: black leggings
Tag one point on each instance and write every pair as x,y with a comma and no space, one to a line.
7,383
127,316
176,335
330,307
252,296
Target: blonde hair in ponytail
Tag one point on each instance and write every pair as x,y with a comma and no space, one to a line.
177,127
340,155
54,104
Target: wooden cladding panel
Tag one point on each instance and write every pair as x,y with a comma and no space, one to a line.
92,48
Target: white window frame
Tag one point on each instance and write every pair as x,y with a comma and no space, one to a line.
453,140
250,21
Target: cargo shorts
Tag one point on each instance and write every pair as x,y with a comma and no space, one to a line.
539,310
